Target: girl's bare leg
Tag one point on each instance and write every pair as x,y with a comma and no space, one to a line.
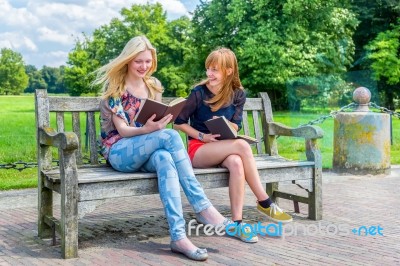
236,185
236,155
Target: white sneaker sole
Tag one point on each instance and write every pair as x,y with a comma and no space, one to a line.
254,239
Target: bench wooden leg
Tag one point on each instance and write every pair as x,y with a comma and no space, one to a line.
296,206
45,208
315,197
270,188
69,206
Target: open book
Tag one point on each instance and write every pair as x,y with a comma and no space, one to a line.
149,107
220,125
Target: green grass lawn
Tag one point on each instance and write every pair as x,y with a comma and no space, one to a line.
18,139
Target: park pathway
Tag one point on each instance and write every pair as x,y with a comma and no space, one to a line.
133,231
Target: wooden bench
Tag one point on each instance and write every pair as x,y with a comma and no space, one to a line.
82,187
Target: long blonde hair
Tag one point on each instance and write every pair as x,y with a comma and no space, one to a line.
112,75
223,59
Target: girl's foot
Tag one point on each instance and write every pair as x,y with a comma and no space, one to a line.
185,244
211,216
186,247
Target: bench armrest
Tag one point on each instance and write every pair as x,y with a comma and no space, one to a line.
64,140
306,132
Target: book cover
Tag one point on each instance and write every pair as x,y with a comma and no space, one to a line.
220,125
150,107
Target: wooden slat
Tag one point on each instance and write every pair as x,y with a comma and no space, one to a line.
107,174
60,121
246,123
284,195
53,222
136,187
253,104
94,157
257,132
73,104
76,127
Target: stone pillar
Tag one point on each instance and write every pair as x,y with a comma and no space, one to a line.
361,139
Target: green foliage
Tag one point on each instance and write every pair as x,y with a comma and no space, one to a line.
374,17
174,69
377,17
107,42
277,41
79,74
36,80
13,79
385,55
53,76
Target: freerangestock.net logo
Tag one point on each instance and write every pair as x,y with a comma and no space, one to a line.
284,230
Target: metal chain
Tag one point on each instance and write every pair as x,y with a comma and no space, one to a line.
322,119
385,110
25,165
18,165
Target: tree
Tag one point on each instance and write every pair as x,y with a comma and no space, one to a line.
374,38
51,76
384,53
277,42
375,17
174,67
108,41
61,86
79,73
36,80
13,79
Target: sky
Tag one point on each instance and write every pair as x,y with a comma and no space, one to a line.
45,31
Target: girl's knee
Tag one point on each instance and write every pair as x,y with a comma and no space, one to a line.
243,146
172,132
234,163
162,156
174,136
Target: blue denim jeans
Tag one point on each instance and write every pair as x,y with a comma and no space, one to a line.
163,152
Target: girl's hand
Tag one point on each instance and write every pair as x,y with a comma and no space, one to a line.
211,137
151,125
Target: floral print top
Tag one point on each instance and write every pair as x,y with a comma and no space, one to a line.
124,107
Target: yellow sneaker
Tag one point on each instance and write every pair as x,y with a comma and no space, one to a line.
242,231
274,213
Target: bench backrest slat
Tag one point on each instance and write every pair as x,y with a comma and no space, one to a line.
76,127
257,131
60,121
73,104
84,110
92,136
245,123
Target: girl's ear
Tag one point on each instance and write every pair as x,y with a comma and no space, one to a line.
229,71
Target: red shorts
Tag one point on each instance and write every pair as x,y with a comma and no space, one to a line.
194,145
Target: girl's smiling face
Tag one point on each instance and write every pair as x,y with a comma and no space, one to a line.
215,77
140,65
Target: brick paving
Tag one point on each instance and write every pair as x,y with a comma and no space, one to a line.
133,231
